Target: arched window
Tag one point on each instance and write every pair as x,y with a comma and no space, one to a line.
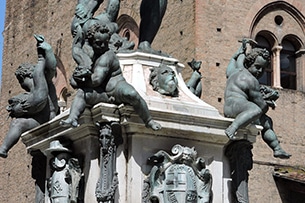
288,65
61,84
262,42
62,99
128,28
278,27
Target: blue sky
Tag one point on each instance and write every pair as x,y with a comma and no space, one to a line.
2,16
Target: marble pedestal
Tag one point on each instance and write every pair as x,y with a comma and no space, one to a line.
185,120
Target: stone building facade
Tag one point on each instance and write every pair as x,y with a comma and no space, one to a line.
206,30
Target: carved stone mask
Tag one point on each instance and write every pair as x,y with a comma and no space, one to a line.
163,79
106,138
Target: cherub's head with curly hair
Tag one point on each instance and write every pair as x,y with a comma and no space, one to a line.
254,53
256,61
98,32
24,74
25,70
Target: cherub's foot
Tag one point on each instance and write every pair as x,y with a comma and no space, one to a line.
124,45
69,123
230,132
153,125
280,153
146,47
3,153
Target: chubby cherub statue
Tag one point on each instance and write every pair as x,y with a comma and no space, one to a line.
244,100
39,103
194,83
105,82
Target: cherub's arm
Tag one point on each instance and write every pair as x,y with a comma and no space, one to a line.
38,97
49,73
40,84
112,9
101,71
46,51
79,54
236,63
86,8
255,95
96,78
237,60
